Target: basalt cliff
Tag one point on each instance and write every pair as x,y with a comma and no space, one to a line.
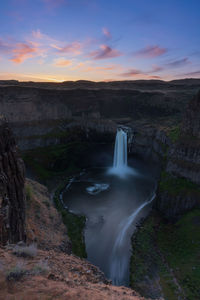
12,197
40,113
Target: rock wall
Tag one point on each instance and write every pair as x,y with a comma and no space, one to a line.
12,206
185,155
179,188
37,111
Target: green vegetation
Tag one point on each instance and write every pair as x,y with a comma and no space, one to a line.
174,134
73,134
25,251
28,193
169,252
16,273
75,225
52,161
176,185
40,268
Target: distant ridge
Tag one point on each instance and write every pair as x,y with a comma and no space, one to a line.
125,84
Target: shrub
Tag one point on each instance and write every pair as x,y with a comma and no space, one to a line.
40,268
16,273
25,251
29,192
175,134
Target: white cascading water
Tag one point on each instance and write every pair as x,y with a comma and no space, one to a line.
119,264
120,153
120,167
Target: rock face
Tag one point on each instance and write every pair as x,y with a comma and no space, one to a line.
12,207
191,123
185,155
36,111
180,185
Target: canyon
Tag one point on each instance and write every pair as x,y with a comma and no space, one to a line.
55,126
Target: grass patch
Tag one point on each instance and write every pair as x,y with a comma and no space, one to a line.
52,161
180,244
167,251
175,186
174,134
28,193
40,268
75,225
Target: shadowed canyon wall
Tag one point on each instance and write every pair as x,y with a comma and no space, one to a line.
12,206
179,188
40,113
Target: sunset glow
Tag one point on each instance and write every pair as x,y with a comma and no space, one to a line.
58,40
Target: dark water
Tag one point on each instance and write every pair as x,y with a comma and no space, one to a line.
112,214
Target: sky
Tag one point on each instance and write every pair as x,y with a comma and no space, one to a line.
99,40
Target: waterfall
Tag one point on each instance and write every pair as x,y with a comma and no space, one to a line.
120,167
120,153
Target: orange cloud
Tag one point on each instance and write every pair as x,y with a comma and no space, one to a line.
105,52
22,52
62,62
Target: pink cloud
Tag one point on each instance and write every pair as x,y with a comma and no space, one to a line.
105,52
132,73
151,52
22,52
145,74
178,63
156,69
106,33
73,48
154,77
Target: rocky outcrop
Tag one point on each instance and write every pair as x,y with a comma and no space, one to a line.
12,208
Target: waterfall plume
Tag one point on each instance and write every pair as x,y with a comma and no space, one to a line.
120,167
